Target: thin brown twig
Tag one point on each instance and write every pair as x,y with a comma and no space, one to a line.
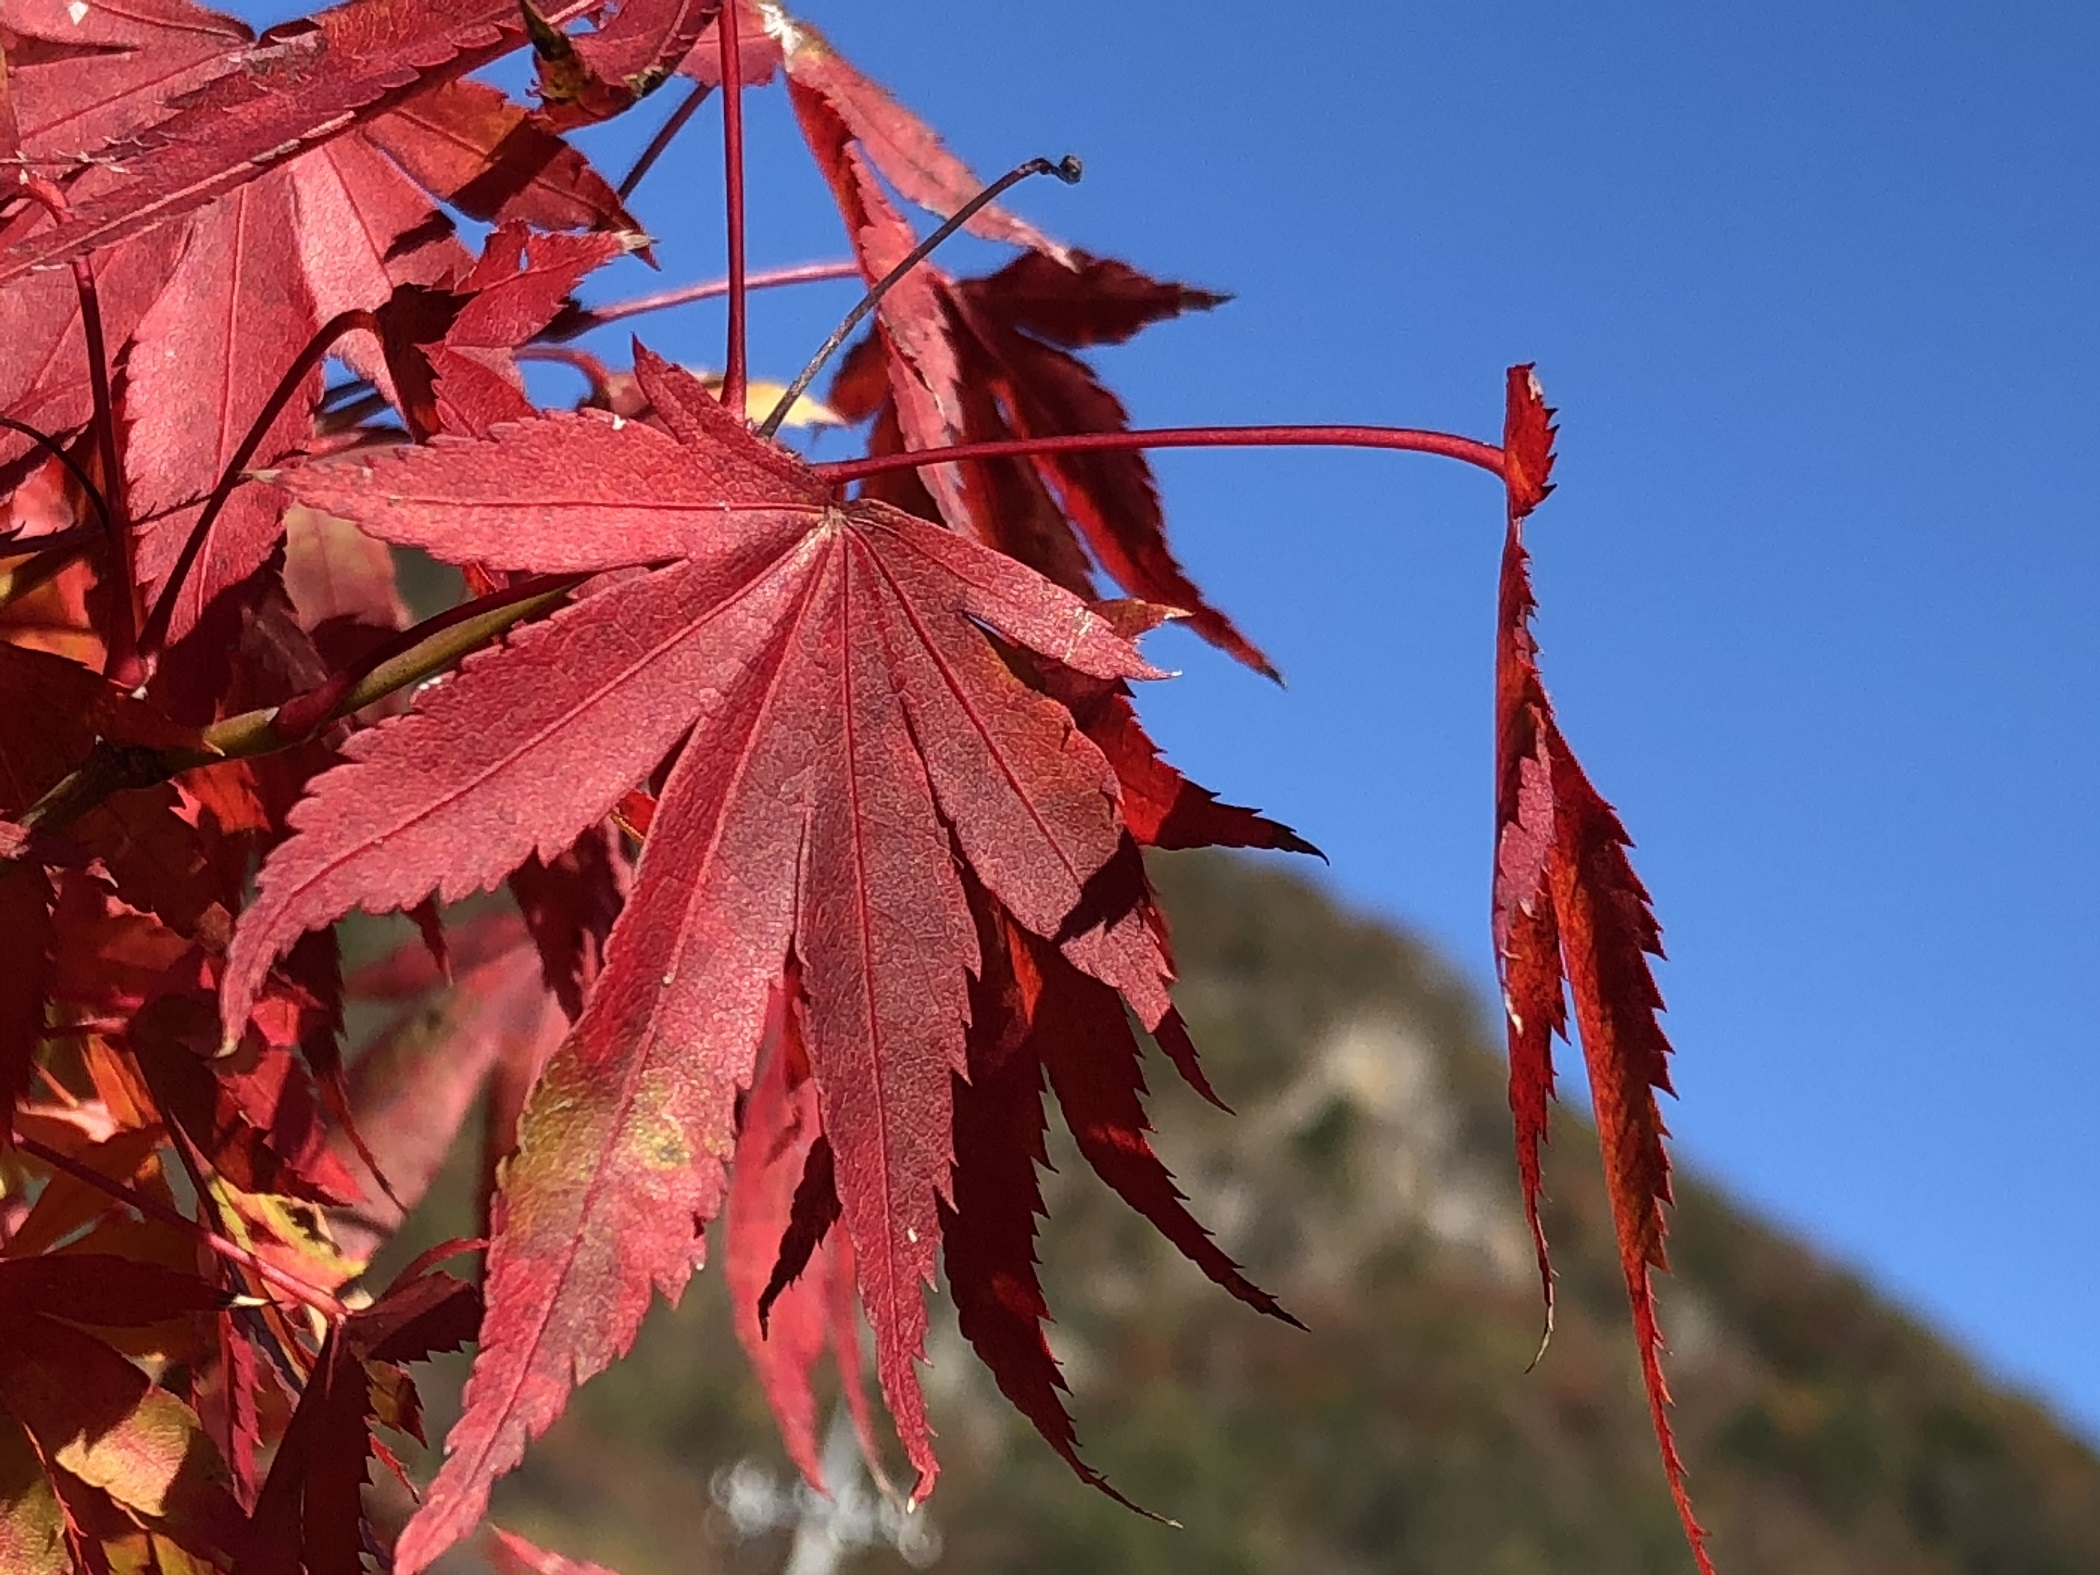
673,124
1066,169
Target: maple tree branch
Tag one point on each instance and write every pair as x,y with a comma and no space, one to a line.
1412,440
1067,169
408,658
322,1301
733,161
673,124
156,630
74,468
571,325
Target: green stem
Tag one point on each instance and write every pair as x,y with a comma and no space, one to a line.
418,653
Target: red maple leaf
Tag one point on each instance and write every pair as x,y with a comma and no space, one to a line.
307,1520
1568,906
94,1449
850,730
217,282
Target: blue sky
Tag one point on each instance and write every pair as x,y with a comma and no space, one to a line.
1812,287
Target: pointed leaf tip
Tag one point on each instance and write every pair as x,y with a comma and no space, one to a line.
1527,442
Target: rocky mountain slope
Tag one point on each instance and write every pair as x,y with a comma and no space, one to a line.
1367,1180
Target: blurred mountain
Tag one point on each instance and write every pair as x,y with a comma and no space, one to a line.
1368,1181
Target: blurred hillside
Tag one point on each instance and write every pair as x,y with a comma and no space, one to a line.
1368,1181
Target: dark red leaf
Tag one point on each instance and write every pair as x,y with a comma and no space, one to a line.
988,1232
1091,1054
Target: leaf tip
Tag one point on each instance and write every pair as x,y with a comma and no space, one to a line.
1527,441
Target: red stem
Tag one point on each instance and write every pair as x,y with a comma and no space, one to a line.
121,663
1411,439
320,1300
156,630
569,326
733,160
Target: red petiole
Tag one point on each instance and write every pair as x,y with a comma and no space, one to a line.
570,324
733,368
1412,440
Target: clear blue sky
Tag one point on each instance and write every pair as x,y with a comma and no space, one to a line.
1814,289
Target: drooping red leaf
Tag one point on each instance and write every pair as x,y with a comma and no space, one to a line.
988,1231
1091,1056
782,1319
1526,936
1567,905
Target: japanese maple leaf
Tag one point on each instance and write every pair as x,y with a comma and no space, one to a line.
308,1520
52,714
850,733
790,1276
1568,908
219,304
88,1443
